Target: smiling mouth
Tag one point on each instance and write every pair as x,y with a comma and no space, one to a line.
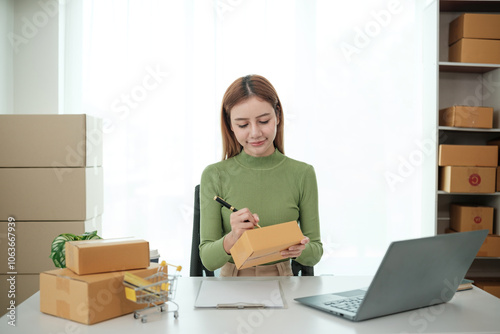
257,143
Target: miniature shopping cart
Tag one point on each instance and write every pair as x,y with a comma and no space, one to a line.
154,291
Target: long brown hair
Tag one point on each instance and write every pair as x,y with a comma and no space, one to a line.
240,90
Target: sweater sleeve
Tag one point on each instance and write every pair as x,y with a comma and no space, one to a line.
309,219
212,253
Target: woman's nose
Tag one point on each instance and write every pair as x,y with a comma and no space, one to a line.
255,131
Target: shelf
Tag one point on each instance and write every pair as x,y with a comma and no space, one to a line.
442,192
446,66
452,128
469,6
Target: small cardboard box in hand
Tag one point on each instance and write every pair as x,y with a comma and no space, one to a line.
263,245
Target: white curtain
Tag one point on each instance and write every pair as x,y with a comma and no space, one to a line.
348,74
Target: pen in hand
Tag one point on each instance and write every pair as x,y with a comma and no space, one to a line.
227,205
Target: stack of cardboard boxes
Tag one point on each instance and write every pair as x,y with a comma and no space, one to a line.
51,182
471,169
90,289
475,38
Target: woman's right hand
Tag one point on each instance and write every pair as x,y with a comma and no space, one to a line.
241,221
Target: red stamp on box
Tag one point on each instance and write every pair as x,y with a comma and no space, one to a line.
475,180
477,220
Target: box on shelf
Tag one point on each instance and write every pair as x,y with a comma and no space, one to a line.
474,25
467,50
49,194
263,245
106,255
495,142
87,299
467,117
455,179
492,287
50,141
468,155
470,218
22,286
34,239
490,247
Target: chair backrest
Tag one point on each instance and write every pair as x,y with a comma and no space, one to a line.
301,270
198,269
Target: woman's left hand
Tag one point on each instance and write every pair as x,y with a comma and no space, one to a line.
295,250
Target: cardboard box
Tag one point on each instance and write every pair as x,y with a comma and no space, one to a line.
33,241
473,25
50,141
484,51
467,117
468,155
87,299
263,245
490,247
16,289
454,179
470,218
492,287
50,194
105,255
495,142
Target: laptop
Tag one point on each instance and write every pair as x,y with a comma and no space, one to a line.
413,274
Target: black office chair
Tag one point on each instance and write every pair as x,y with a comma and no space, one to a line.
199,270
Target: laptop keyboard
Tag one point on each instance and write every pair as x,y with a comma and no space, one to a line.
348,304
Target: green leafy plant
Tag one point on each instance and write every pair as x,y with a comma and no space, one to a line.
58,253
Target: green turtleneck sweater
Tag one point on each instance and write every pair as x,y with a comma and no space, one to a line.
277,188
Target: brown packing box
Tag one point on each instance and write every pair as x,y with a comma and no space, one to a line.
482,51
263,245
474,25
50,141
106,255
23,287
49,194
468,155
495,142
454,179
467,117
490,247
87,299
470,218
34,239
492,287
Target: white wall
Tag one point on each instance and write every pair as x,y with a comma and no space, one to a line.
6,57
36,58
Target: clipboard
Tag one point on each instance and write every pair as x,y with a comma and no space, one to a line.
240,294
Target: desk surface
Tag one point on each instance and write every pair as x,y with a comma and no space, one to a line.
471,311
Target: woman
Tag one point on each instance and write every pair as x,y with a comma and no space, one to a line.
257,178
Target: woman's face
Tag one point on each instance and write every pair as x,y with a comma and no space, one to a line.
254,124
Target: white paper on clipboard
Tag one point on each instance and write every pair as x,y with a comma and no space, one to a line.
239,294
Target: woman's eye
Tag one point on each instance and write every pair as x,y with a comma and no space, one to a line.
264,122
242,126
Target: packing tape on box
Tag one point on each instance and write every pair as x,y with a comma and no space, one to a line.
62,284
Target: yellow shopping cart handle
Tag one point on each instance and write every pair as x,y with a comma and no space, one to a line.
164,264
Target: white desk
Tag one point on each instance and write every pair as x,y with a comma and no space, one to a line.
472,311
